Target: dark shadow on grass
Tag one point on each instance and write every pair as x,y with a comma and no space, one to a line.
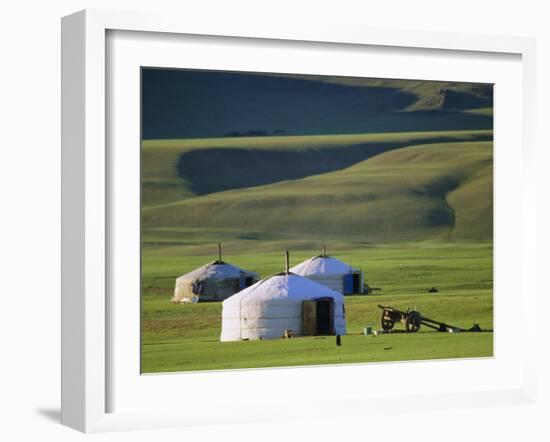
213,170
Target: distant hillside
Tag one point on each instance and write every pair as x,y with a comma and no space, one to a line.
441,190
201,104
174,170
249,167
429,95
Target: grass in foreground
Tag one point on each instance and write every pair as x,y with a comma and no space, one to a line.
186,337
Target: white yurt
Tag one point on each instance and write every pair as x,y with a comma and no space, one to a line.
215,281
283,302
331,272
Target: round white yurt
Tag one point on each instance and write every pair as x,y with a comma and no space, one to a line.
281,303
332,273
215,281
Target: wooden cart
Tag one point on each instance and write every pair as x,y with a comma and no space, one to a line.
413,320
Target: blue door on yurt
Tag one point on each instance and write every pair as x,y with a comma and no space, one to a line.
348,284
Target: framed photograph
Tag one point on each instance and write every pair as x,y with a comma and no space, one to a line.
252,213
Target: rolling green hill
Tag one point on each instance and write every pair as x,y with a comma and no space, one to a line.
440,190
173,170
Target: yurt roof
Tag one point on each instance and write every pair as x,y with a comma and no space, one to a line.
215,270
325,265
282,288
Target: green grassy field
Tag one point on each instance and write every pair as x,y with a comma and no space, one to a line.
177,337
412,210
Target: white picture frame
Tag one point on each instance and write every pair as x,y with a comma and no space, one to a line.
86,316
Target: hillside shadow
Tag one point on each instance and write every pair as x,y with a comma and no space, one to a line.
218,169
181,103
200,104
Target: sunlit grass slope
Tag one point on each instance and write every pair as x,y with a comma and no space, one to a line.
173,170
441,190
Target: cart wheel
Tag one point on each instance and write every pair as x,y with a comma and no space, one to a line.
412,323
387,324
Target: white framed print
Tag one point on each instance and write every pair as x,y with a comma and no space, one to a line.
323,216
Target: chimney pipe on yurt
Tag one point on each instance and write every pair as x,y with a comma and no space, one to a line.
287,263
220,252
324,252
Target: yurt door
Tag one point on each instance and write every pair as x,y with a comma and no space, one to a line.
324,317
348,284
356,283
317,317
352,283
309,318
